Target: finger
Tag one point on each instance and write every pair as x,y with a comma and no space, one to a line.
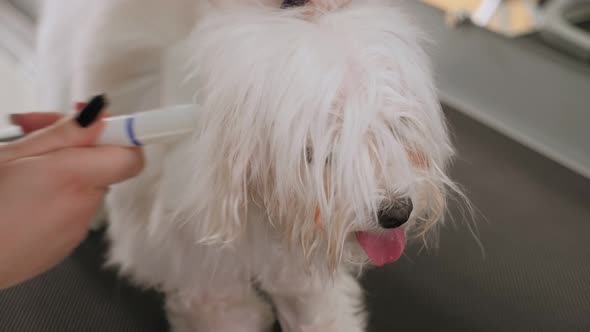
83,130
29,122
99,166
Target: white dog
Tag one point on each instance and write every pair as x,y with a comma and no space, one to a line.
323,146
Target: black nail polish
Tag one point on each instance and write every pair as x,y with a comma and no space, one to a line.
91,111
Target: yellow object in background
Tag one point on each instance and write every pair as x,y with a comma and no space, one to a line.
512,18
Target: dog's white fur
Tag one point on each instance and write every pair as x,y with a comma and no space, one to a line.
343,83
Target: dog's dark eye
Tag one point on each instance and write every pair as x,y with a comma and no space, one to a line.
293,3
309,156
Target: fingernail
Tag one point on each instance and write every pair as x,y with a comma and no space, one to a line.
14,119
79,106
89,114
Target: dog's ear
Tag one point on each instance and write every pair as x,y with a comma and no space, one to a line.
203,189
225,190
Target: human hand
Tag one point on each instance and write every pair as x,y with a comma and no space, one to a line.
51,184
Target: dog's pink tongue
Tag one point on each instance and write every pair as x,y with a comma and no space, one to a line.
383,248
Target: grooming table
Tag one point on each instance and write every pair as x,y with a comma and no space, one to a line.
533,221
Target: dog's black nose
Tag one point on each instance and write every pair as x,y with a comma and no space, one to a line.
293,3
395,215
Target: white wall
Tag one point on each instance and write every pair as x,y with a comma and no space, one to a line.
16,90
17,30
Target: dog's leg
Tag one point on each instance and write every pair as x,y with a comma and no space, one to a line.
306,304
227,309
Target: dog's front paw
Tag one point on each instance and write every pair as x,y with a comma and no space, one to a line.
211,313
306,306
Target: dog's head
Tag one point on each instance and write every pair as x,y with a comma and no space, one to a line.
326,125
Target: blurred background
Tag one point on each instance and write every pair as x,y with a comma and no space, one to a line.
514,79
17,34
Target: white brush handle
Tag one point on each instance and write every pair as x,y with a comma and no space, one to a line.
149,126
10,133
139,128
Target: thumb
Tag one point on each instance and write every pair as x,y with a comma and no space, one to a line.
82,130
